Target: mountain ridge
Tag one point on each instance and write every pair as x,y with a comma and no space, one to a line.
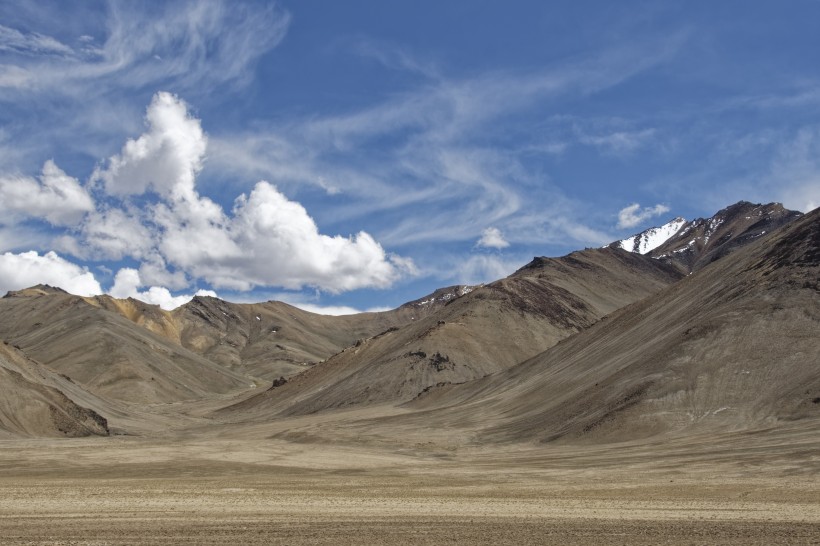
694,244
212,362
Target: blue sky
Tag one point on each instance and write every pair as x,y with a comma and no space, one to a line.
361,154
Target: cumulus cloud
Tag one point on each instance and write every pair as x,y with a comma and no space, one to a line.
492,238
56,197
284,243
127,283
113,233
265,240
18,271
632,215
165,159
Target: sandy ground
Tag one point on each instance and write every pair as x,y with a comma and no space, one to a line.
226,491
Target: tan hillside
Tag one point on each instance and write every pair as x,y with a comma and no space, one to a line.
106,353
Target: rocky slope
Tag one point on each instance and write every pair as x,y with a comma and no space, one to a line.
690,246
34,401
732,347
486,330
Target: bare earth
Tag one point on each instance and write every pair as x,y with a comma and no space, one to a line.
226,491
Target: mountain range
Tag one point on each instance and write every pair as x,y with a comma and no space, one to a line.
693,328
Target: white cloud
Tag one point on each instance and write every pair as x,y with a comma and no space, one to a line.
56,197
187,43
113,233
804,197
22,236
127,283
632,215
284,244
266,240
441,167
31,43
18,271
492,238
12,76
166,159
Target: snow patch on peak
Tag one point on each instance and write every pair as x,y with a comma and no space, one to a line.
652,238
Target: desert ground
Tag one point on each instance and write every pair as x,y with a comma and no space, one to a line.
242,485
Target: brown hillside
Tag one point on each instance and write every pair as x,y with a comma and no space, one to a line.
486,330
732,347
31,404
107,353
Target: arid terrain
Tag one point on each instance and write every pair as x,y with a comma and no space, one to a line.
261,491
606,397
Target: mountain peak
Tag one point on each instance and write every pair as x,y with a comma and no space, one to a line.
650,239
36,290
692,245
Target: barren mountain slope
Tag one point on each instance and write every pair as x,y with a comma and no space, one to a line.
274,339
735,346
486,330
34,401
107,353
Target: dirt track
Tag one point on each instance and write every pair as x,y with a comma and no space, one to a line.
225,492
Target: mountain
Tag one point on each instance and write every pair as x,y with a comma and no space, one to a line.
274,339
650,239
131,351
35,401
593,346
732,347
106,352
483,331
690,246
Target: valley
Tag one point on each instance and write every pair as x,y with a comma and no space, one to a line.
610,396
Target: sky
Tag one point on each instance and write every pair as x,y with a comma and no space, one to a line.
352,156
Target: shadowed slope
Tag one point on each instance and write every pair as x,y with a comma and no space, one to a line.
732,347
274,339
486,330
33,404
703,241
130,351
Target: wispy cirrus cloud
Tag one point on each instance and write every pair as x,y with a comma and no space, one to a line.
445,160
92,74
795,170
32,43
188,43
